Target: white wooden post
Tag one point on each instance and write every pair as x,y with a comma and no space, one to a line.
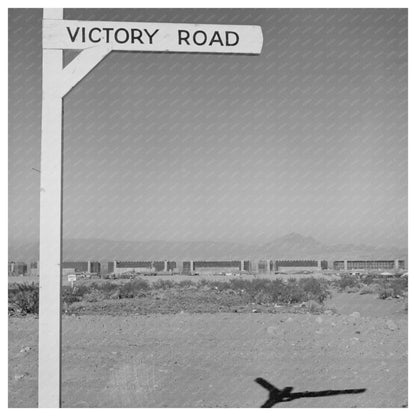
56,83
50,239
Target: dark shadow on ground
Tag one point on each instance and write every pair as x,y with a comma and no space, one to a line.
285,395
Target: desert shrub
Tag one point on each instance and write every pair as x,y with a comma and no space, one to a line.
368,279
392,287
106,288
314,288
220,285
366,290
93,296
242,284
314,307
399,286
186,283
281,292
352,289
386,293
81,290
294,293
163,284
24,298
347,281
74,294
278,291
202,282
134,287
263,297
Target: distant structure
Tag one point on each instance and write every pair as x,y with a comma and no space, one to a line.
265,266
120,267
369,264
300,265
273,266
17,268
71,267
190,267
215,266
33,269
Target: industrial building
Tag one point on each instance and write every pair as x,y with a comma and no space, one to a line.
17,268
265,266
120,267
70,267
215,266
33,269
273,266
369,265
301,265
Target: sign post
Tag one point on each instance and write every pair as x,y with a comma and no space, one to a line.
95,40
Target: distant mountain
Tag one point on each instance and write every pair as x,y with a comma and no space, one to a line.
297,246
290,246
293,245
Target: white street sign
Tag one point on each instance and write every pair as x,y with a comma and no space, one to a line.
95,40
152,37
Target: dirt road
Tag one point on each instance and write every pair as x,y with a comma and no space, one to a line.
212,360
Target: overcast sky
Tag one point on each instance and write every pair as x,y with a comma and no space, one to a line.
308,137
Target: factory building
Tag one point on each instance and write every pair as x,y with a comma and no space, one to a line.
71,267
265,266
369,264
300,265
273,266
33,270
17,268
120,267
215,266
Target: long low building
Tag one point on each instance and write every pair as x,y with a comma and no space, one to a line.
148,266
300,265
273,266
214,266
369,264
17,268
70,267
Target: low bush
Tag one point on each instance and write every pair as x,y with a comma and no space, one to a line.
399,286
369,279
263,297
24,298
186,283
352,289
163,284
77,293
347,281
107,288
220,285
314,307
93,296
386,293
317,289
366,290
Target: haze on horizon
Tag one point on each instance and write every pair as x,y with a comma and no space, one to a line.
309,137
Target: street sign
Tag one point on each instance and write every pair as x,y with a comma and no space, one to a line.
152,37
72,278
95,40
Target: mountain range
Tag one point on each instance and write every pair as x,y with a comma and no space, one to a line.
290,246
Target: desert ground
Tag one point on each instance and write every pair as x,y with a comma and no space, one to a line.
213,359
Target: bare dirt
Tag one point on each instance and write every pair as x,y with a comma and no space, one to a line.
212,360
